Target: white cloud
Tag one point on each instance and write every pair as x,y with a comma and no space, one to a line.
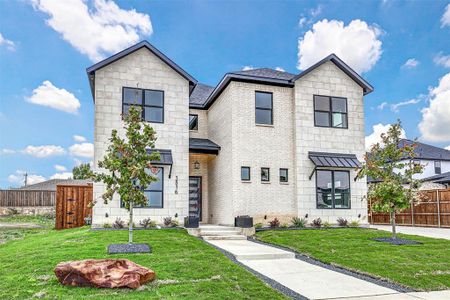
309,17
63,175
18,178
435,122
60,168
411,63
82,150
442,60
7,43
95,31
375,136
357,44
43,151
447,148
49,95
280,69
79,138
6,151
395,107
382,106
247,68
445,20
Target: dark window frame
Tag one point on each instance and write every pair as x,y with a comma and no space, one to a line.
287,175
196,128
333,194
264,108
161,169
143,105
330,112
268,174
249,173
437,169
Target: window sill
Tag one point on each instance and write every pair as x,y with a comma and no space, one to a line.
265,125
246,181
284,183
265,182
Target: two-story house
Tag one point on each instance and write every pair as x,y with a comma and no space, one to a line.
262,143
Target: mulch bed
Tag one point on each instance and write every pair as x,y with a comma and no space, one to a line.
397,241
129,248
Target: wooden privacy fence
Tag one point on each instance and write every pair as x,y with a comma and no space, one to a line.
16,198
433,211
73,205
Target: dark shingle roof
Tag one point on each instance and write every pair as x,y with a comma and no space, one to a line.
203,146
50,185
440,178
266,73
425,151
200,94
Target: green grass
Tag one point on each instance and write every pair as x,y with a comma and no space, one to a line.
422,267
45,221
186,267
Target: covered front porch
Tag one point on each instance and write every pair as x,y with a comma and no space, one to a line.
201,153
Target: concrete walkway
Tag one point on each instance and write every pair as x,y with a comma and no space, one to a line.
306,279
440,233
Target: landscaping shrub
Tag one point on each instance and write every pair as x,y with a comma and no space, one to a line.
299,222
258,225
145,222
12,211
316,223
354,223
284,225
167,221
118,223
106,225
275,223
326,224
174,223
342,222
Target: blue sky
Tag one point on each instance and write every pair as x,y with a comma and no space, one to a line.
402,48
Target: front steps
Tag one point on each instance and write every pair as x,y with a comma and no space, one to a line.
218,232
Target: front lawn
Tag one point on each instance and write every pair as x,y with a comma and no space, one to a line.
424,267
185,266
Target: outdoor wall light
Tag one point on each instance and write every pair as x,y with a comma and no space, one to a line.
176,215
306,216
359,216
196,165
106,215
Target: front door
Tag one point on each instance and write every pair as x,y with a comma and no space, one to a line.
195,197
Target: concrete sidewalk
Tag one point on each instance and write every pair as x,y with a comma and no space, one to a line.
440,233
308,280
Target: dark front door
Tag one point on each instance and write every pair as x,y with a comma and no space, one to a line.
195,197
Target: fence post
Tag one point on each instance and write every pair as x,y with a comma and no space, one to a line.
438,208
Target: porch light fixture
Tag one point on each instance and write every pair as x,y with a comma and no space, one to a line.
196,165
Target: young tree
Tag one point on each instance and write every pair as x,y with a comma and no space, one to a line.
128,163
392,164
82,171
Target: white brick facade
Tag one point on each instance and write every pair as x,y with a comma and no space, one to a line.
230,123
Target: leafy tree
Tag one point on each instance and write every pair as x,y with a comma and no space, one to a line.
128,162
393,165
82,171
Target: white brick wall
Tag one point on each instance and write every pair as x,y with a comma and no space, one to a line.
202,131
144,69
328,80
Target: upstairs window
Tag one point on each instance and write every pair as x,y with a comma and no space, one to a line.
263,108
245,173
330,112
151,102
283,175
193,122
437,167
265,174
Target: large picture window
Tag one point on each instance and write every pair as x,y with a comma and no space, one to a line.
151,103
330,112
263,108
333,189
155,191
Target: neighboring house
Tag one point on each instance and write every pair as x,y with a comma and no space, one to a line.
50,185
262,142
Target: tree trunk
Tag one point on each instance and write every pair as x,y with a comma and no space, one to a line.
130,225
394,232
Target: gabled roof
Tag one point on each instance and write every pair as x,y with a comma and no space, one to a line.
367,88
266,73
199,95
425,151
91,70
50,185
